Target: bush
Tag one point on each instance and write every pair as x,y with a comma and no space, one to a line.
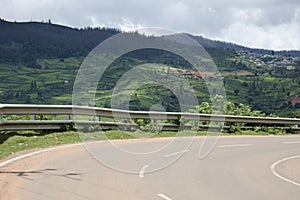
219,106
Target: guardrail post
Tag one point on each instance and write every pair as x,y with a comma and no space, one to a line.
68,117
32,117
97,119
177,121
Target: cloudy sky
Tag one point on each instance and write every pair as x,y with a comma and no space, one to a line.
273,24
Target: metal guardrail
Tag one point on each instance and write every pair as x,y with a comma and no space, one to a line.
98,113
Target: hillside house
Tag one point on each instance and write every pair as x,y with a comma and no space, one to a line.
293,100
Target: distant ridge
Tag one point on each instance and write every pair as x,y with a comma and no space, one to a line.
26,41
227,45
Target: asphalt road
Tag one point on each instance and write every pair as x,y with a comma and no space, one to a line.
238,168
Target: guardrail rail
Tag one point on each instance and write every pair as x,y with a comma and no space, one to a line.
11,118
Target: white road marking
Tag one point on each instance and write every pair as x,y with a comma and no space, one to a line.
280,176
45,150
37,152
164,196
142,172
293,142
234,145
176,153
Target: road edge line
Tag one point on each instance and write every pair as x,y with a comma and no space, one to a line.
9,161
273,166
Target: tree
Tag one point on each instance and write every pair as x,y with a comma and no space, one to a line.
31,86
236,92
231,109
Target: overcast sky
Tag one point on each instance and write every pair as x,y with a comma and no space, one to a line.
272,24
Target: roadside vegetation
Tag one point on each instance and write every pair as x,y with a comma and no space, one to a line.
14,141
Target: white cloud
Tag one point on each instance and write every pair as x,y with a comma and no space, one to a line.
248,32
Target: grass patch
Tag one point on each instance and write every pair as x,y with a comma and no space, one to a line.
11,142
258,133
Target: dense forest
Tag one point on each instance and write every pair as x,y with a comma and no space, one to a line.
25,42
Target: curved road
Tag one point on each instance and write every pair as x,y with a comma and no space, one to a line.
238,168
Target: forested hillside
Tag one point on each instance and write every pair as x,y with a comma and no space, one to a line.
23,43
39,63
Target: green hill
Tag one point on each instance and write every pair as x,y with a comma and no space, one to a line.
39,63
